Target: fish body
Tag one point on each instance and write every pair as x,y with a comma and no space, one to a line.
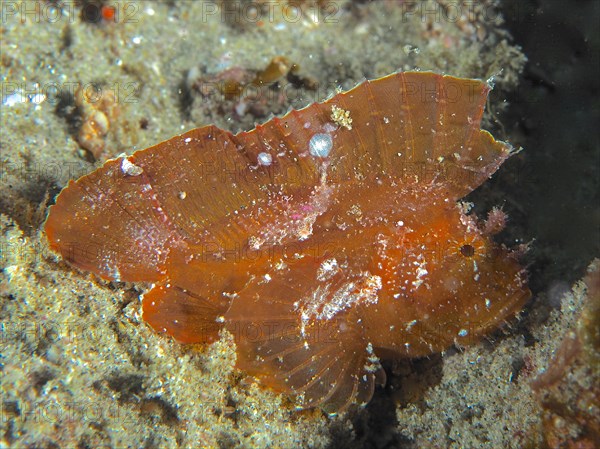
319,244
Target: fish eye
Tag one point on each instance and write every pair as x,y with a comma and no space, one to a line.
467,250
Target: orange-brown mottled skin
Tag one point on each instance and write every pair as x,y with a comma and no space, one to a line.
318,245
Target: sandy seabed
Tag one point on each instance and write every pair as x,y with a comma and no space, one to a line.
79,367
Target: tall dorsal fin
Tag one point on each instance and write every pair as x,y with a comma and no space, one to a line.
121,220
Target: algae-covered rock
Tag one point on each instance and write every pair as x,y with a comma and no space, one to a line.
569,390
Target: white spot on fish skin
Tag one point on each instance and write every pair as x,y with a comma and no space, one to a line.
116,274
265,159
463,333
320,145
329,127
421,273
327,270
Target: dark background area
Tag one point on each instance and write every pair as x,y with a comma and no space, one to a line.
555,117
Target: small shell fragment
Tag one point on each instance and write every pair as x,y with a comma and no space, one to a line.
130,169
